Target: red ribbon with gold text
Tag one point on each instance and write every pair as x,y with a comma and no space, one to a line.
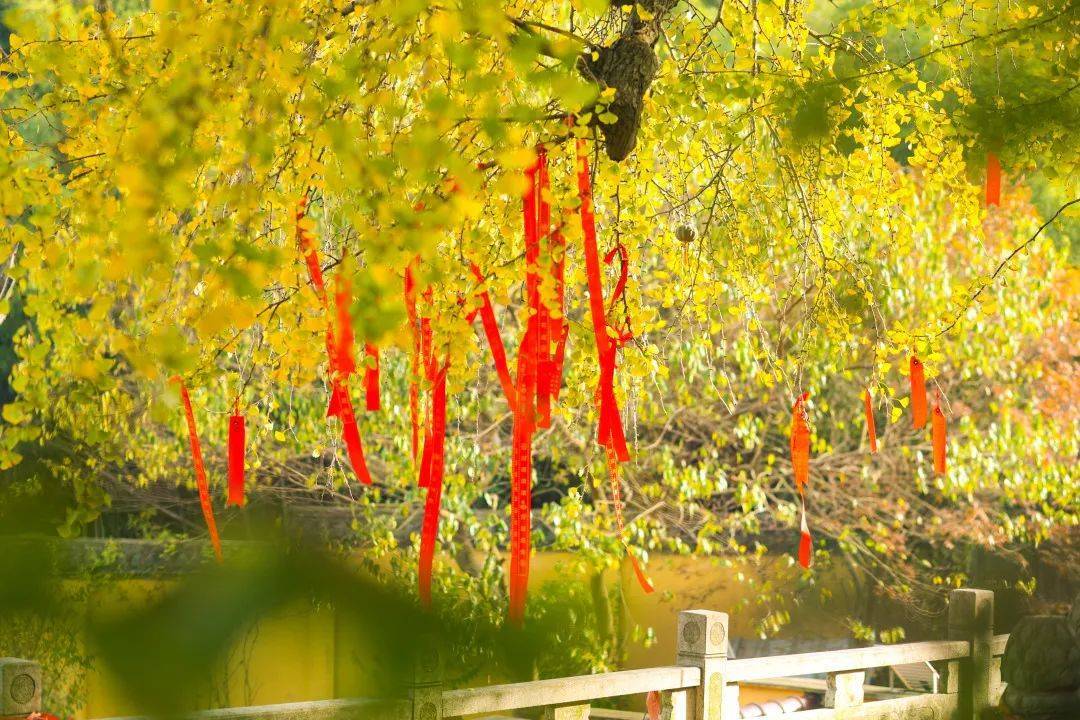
200,470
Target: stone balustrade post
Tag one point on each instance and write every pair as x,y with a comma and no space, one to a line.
20,685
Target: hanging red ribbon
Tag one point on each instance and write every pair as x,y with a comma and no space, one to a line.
610,434
341,356
237,432
494,339
800,464
938,436
610,431
306,242
800,444
918,393
354,447
414,358
200,470
993,180
615,486
371,377
521,473
652,705
871,427
805,542
434,462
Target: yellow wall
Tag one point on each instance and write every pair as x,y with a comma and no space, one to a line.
306,654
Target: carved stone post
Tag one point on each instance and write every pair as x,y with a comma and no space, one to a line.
703,643
971,618
20,685
426,691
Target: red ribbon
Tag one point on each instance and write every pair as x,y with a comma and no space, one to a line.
610,432
652,705
306,242
805,542
433,468
236,457
200,470
491,332
800,465
938,436
371,377
993,180
354,447
918,393
414,358
800,444
521,474
871,427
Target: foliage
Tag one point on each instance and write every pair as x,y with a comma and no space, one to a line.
828,161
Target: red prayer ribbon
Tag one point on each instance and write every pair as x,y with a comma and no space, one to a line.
498,350
918,393
938,436
237,433
993,180
610,434
805,542
610,431
800,465
306,242
339,348
800,444
414,358
371,378
652,705
200,470
354,447
433,468
871,427
521,473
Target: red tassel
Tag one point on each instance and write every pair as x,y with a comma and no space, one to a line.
200,470
993,180
805,542
938,437
800,444
236,457
371,377
918,393
435,460
871,427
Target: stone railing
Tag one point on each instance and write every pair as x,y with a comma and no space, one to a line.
703,684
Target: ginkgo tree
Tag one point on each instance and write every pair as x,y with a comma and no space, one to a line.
796,189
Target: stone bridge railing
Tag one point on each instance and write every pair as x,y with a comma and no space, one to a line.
703,684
